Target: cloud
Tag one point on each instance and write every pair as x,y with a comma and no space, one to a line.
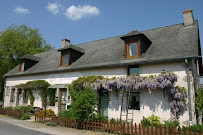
54,8
77,13
21,10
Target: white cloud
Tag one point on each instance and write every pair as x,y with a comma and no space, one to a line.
21,10
77,13
54,8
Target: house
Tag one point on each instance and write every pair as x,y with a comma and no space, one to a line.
174,48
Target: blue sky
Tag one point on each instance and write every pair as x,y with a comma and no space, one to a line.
87,20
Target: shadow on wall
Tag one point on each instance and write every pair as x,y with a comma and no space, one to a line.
155,102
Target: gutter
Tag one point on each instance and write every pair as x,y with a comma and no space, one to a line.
101,66
189,95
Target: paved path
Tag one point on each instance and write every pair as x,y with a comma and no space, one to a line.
9,129
8,126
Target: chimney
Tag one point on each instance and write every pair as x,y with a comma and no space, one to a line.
65,42
188,17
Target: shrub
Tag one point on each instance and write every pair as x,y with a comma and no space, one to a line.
52,124
49,113
145,121
171,124
84,103
99,117
195,127
154,120
25,117
24,109
113,120
65,114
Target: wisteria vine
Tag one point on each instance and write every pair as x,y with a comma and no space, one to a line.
176,95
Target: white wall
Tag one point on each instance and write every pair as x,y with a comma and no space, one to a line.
154,103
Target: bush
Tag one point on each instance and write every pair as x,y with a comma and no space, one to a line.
145,121
171,124
99,117
49,113
52,124
154,120
65,114
83,104
195,127
24,109
25,117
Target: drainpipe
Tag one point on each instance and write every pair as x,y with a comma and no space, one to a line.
189,95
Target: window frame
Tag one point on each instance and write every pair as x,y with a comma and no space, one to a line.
20,68
133,66
62,59
128,49
134,108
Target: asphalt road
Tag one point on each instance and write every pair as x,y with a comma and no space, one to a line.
9,129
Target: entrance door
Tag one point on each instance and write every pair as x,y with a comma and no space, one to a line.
62,99
104,102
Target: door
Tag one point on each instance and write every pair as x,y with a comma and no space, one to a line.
62,100
104,102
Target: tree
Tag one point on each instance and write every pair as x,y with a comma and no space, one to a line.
15,42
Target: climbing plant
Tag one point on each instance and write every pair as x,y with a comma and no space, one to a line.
37,85
198,102
176,94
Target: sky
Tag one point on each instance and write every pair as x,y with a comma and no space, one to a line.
83,21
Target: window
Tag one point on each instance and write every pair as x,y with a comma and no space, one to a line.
133,70
65,59
25,97
134,102
12,95
22,66
132,49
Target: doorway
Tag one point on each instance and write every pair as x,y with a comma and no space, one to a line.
62,99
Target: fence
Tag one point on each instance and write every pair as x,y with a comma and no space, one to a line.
119,127
10,112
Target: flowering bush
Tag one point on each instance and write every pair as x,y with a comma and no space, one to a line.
154,120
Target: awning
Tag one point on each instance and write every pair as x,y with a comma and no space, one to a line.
58,86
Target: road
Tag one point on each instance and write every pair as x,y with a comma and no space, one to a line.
9,129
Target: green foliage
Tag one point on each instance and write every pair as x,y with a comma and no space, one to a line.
198,101
171,124
49,113
65,114
77,84
83,104
52,124
99,117
154,120
196,128
145,121
15,42
24,109
37,85
25,117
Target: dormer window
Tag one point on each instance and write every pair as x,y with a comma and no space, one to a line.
27,62
132,49
22,66
136,44
65,59
70,53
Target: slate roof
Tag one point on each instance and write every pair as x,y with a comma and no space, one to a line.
74,47
31,57
172,42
